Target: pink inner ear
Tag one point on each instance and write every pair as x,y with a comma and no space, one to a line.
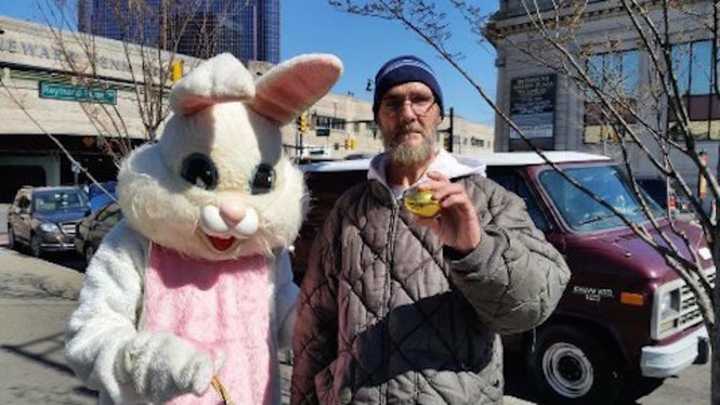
192,105
282,101
291,87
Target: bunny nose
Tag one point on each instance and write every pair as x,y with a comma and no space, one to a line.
232,211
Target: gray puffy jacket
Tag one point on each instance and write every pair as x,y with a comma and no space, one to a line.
386,315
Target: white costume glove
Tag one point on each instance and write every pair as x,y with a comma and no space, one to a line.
161,366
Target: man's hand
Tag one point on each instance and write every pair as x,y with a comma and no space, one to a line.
457,224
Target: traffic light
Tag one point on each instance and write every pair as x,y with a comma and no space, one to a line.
303,123
350,143
446,143
176,70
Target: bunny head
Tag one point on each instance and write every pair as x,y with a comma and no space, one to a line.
217,184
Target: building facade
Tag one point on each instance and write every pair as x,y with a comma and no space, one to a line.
342,125
250,30
42,112
543,98
45,109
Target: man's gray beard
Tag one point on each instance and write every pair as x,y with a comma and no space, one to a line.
405,155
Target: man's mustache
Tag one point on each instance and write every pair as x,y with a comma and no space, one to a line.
409,129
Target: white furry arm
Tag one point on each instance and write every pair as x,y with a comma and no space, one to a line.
286,293
106,318
103,345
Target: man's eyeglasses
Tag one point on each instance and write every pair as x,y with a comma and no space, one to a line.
420,104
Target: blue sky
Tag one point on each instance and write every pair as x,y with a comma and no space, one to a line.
364,44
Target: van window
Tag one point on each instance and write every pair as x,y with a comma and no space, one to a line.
513,182
580,211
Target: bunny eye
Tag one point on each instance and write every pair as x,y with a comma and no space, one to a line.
263,179
199,170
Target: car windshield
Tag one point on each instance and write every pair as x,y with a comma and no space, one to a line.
47,201
581,212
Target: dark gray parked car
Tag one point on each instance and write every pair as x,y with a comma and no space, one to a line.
45,218
91,230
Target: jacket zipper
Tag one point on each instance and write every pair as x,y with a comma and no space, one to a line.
394,214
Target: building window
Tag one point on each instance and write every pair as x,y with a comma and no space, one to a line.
617,75
372,128
356,127
322,121
480,143
692,65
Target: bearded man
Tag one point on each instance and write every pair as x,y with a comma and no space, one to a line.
401,308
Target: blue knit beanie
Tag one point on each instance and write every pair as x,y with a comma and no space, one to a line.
404,69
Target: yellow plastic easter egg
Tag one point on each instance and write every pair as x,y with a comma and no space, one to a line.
421,203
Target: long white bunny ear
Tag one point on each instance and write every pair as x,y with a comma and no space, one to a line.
219,79
289,88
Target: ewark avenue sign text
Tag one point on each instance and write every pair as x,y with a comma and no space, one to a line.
34,46
36,50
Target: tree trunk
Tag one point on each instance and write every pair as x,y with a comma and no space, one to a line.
715,366
715,349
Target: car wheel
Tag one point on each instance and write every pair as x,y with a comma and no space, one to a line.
35,248
571,367
89,253
11,238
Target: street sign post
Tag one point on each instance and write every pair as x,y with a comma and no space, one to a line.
68,92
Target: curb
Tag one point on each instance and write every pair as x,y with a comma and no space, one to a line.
56,280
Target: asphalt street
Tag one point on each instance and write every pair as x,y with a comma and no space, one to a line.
35,300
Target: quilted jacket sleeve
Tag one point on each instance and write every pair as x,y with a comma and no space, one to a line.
514,278
315,336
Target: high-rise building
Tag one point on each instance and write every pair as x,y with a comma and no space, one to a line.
249,29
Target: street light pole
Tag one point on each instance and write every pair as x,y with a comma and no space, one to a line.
450,130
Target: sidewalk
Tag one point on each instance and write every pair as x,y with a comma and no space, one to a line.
53,279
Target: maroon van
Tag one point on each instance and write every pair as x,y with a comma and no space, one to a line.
624,314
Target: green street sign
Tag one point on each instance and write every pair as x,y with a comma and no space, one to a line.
69,92
322,132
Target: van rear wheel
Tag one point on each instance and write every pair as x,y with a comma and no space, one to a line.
572,367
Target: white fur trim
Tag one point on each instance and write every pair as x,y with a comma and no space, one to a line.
219,79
